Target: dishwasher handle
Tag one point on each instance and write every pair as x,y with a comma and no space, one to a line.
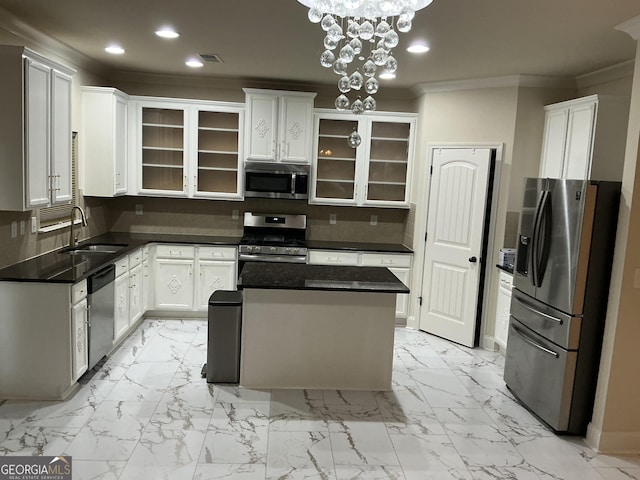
101,278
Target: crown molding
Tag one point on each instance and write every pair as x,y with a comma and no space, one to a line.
42,42
540,81
631,26
607,74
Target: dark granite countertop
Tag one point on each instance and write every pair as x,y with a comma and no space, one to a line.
61,267
358,246
300,276
506,268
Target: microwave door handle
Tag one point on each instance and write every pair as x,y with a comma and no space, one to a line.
293,184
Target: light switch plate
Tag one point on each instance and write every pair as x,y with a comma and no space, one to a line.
23,227
332,219
235,214
14,229
34,224
138,209
374,220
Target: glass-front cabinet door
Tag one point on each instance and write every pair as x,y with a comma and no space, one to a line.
218,165
389,154
335,166
188,148
163,167
373,173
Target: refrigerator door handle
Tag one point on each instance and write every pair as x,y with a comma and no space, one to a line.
533,343
531,308
540,250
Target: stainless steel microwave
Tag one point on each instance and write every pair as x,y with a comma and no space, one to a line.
276,180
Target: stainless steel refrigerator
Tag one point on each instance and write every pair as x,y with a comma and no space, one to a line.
559,300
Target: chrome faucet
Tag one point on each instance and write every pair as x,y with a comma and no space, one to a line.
73,241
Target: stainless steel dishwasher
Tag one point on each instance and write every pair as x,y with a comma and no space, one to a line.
101,300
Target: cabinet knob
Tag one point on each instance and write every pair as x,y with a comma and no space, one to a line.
473,259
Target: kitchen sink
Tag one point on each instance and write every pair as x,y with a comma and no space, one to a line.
90,248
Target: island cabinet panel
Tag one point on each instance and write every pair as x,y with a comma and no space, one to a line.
317,339
373,172
35,130
503,307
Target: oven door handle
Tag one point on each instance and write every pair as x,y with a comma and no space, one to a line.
250,257
293,184
533,343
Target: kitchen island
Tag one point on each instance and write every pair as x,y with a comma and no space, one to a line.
317,326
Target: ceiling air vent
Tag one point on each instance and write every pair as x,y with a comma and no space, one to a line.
210,57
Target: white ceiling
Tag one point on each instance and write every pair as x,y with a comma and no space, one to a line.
273,39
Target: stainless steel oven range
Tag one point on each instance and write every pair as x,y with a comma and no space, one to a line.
273,238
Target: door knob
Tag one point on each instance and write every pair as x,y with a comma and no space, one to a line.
473,259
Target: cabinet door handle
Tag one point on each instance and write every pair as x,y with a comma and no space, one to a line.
195,182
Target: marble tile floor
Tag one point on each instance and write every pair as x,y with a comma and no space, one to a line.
148,414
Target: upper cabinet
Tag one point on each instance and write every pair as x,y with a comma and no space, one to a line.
35,130
279,126
585,138
376,172
104,141
187,148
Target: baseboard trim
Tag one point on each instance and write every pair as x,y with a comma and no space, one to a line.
613,443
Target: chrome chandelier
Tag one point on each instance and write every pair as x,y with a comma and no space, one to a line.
359,42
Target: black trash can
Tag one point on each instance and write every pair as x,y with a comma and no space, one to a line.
224,328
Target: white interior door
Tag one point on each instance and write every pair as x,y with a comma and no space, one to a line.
455,224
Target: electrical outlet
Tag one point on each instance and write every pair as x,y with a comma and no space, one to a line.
14,229
23,227
332,219
34,225
138,209
374,220
87,212
235,214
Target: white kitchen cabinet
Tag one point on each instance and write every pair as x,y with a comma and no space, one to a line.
503,307
104,140
187,148
279,126
398,263
37,357
217,270
376,173
135,294
35,130
79,333
584,139
147,290
173,271
121,287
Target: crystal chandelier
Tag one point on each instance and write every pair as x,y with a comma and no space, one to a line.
359,42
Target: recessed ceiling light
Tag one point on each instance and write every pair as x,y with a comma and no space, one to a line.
114,50
387,76
417,48
193,63
167,32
